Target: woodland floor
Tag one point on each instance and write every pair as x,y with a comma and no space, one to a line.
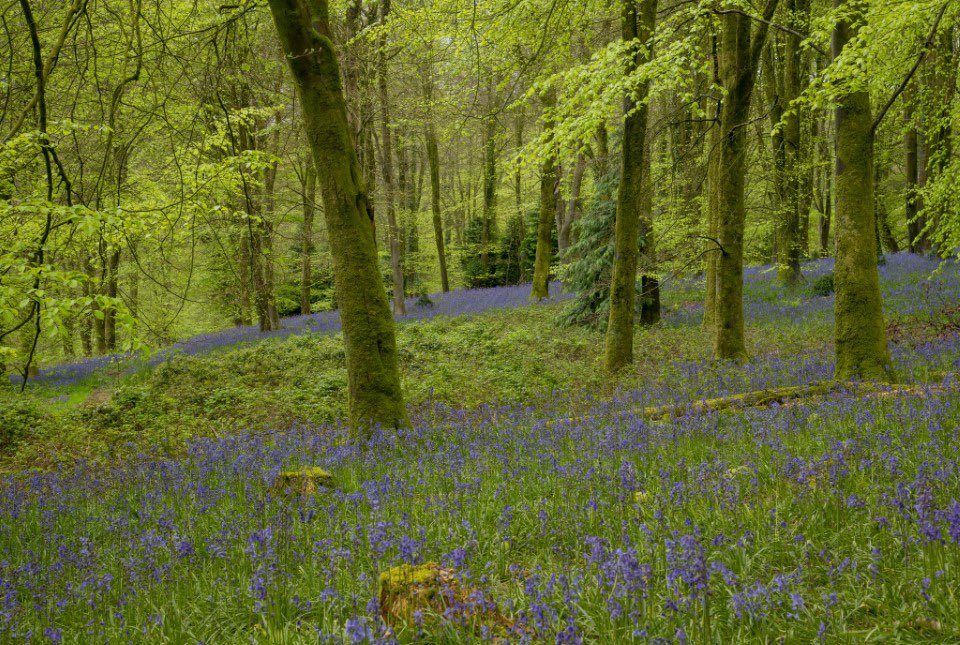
689,501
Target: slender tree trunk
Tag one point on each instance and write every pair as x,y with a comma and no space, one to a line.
565,230
110,312
246,278
88,329
548,209
784,233
373,373
712,243
386,165
306,240
740,51
861,339
269,208
825,218
433,158
888,242
794,83
910,169
638,20
489,192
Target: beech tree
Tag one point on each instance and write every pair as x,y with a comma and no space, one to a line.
368,327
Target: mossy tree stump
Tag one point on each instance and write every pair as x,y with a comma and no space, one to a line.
427,594
302,482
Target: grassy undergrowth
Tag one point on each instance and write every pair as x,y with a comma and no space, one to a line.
515,355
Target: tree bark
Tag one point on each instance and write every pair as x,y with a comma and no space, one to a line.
489,191
638,20
861,338
712,248
565,227
373,375
794,83
386,165
740,50
911,172
548,209
306,240
433,158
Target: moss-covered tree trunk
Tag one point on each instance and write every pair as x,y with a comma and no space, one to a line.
386,166
306,237
368,328
488,225
649,309
794,202
638,19
433,158
548,209
861,338
740,47
910,169
711,248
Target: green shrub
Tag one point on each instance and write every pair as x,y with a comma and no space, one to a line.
822,286
19,419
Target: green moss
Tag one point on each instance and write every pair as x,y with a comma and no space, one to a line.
400,578
302,482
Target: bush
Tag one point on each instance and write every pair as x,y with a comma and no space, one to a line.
822,286
19,419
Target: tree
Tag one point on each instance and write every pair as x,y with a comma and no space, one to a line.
389,181
860,334
741,45
373,376
639,17
306,251
548,209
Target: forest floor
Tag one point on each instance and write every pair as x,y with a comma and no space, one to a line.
554,504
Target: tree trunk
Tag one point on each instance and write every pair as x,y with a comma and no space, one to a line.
548,209
489,191
565,229
243,304
861,339
739,57
433,158
639,17
386,165
912,175
306,240
268,212
794,83
373,374
712,243
888,242
110,311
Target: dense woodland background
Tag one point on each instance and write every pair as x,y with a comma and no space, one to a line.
156,182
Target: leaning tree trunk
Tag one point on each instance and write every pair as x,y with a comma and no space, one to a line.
373,375
740,51
548,209
639,17
861,338
306,241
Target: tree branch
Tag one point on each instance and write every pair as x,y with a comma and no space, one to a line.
913,70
